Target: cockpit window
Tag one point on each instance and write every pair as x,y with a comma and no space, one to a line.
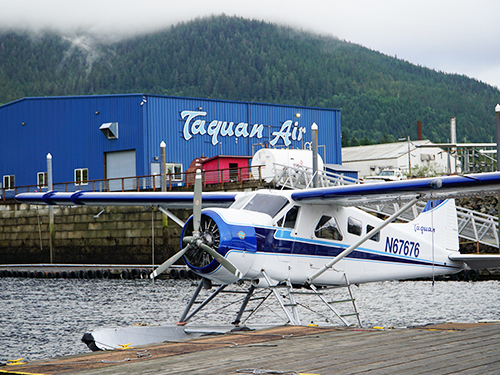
328,228
289,219
267,204
240,202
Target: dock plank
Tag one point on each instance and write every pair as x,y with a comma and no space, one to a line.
467,349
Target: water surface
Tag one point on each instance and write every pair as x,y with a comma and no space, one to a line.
42,318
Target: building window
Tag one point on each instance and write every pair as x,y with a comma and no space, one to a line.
9,182
42,179
81,176
354,226
328,228
174,171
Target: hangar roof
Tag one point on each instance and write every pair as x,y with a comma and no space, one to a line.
384,151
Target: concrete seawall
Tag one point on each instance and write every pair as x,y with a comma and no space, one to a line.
120,235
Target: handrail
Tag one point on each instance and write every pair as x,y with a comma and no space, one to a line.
147,182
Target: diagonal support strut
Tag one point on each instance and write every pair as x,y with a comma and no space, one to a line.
363,239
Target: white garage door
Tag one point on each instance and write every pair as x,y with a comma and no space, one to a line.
121,164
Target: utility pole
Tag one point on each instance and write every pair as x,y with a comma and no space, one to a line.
497,120
409,156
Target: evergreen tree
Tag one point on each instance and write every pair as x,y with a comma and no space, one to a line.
380,97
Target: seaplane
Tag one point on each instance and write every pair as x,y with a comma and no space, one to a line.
290,240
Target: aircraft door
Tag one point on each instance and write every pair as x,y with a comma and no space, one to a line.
285,243
328,228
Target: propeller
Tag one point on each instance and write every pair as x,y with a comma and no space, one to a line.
195,241
169,262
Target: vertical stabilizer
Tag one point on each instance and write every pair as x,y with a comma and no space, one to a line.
438,223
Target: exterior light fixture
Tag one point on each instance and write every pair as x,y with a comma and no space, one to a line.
297,114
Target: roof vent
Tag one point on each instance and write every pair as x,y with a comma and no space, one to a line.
110,130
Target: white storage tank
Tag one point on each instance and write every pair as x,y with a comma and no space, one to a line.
275,160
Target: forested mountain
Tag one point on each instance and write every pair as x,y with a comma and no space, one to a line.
380,97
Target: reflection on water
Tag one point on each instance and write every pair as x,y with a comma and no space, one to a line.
42,318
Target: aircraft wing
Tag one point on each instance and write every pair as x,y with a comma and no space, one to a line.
458,186
349,195
477,261
165,199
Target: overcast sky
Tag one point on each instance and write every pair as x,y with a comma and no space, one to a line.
453,36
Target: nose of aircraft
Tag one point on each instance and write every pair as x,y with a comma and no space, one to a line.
220,236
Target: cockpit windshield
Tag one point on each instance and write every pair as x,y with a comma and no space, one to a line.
266,203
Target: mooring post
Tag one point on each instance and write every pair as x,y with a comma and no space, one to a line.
51,208
163,166
314,134
164,218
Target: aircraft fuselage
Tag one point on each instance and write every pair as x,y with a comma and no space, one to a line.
301,238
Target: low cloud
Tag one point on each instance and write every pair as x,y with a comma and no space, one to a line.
454,36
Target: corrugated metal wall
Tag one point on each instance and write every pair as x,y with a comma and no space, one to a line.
68,128
166,123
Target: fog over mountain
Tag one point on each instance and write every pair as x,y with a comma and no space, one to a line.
452,36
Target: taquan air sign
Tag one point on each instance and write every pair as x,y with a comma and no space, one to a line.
196,125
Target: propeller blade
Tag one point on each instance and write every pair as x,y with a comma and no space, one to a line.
168,263
226,263
196,227
197,201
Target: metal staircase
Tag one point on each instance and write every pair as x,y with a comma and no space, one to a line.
301,177
289,303
472,225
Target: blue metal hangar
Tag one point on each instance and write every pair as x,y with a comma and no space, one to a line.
109,136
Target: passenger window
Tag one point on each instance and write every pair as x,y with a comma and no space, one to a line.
328,228
354,226
375,237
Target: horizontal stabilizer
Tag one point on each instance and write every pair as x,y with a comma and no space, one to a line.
477,261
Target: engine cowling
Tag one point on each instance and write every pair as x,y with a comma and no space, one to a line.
237,242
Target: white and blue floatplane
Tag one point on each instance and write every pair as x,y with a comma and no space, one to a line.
311,239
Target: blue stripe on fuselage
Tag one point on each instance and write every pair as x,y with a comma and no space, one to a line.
280,242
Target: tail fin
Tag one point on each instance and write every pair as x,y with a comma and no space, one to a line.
438,223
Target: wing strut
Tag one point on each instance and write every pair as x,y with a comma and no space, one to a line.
364,238
170,215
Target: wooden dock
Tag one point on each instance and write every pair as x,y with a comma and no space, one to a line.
439,349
